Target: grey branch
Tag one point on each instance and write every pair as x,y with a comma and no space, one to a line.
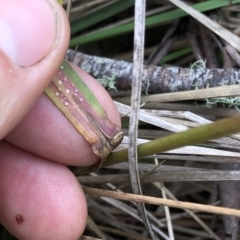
114,73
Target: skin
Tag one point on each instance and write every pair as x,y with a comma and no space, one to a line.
40,197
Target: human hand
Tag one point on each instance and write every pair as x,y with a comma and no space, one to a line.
40,197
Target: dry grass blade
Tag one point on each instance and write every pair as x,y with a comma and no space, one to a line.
69,9
88,238
131,210
123,234
160,201
177,174
160,186
229,37
139,30
194,216
92,225
223,91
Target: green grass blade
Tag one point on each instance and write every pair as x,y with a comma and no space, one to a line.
176,54
150,22
193,136
100,15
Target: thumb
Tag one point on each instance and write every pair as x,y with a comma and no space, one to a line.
33,43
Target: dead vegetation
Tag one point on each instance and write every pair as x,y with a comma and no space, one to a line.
190,192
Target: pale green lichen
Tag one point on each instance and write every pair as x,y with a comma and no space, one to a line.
98,60
108,82
199,64
226,101
86,67
148,84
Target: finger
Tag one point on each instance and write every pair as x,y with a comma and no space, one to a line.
34,40
47,133
40,199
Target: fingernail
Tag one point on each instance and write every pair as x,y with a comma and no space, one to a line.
27,30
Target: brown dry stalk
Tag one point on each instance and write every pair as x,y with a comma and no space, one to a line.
224,91
161,201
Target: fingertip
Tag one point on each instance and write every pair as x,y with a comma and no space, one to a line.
39,199
40,53
29,29
21,24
